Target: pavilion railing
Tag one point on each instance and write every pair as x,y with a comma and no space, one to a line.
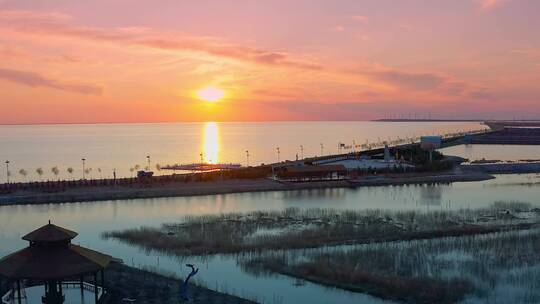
10,297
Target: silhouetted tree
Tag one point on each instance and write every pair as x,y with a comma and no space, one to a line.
87,171
39,172
55,171
23,173
70,171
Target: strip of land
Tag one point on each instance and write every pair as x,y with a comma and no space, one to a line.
194,188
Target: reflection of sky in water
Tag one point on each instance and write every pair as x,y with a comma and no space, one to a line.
91,219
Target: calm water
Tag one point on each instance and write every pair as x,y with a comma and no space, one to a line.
123,146
493,152
222,272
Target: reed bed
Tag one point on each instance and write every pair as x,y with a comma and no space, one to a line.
295,228
501,267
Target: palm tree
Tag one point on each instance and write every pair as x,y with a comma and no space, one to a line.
87,171
39,172
131,170
55,171
99,170
70,171
158,167
23,173
137,167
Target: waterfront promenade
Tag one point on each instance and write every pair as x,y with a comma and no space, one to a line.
194,188
254,179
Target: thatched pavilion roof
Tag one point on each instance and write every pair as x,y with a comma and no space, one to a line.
48,258
50,233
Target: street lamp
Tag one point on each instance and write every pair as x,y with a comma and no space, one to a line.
322,149
247,158
7,171
301,151
83,168
148,159
277,149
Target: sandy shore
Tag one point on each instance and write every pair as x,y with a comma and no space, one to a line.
178,189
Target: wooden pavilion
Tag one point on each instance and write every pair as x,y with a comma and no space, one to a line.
51,259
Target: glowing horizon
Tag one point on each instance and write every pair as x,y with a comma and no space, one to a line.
96,61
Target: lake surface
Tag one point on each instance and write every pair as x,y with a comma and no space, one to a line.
494,152
221,272
123,146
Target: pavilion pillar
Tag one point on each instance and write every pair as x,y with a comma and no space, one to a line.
102,281
95,288
19,292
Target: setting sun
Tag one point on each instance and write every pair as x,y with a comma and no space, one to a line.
210,94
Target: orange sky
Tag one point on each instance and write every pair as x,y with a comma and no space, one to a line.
136,61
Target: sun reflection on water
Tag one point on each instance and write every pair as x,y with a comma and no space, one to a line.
211,143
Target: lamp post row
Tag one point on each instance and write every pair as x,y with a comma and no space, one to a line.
148,159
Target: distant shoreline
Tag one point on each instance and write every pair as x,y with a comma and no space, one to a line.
425,120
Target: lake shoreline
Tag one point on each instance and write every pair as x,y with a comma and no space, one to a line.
183,189
146,286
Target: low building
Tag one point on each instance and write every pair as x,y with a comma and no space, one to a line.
364,162
311,173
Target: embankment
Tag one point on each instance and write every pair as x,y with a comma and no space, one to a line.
179,189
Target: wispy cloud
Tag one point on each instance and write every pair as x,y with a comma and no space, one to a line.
415,81
337,28
56,25
10,52
360,18
527,52
404,82
17,15
491,4
36,80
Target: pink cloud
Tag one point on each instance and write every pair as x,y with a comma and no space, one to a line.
337,28
55,25
491,4
415,81
360,18
10,52
17,15
36,80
